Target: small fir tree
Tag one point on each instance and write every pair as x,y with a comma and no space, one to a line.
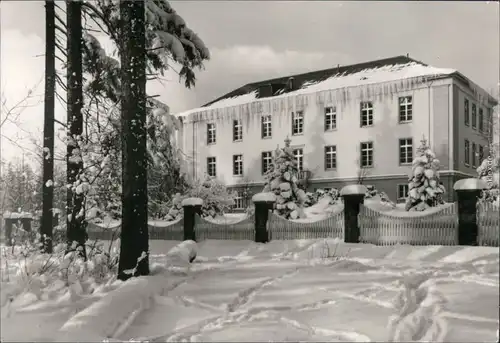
424,188
282,180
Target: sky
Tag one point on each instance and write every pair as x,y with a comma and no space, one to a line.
250,41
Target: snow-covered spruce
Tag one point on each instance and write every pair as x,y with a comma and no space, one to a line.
216,199
424,188
282,179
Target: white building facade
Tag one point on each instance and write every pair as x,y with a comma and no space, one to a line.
360,126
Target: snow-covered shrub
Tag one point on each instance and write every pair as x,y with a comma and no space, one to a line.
424,188
489,171
216,199
282,179
373,193
49,275
318,194
183,253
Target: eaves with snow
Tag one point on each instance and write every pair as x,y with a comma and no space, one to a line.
364,81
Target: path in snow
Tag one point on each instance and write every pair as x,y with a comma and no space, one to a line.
270,299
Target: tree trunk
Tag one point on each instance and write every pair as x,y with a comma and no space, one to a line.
75,221
134,240
48,128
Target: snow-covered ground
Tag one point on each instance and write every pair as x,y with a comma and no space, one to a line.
303,290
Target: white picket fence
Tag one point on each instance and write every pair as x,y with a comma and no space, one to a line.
440,227
283,229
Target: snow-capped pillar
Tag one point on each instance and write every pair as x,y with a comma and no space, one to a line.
9,223
192,207
468,193
263,203
26,220
353,196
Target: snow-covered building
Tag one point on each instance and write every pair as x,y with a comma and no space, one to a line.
361,121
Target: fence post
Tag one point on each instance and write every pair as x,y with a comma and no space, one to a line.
192,206
9,223
353,196
468,193
263,203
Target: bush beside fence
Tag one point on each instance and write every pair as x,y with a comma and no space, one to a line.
416,228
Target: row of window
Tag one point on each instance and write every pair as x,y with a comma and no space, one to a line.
475,117
330,120
330,158
477,153
241,202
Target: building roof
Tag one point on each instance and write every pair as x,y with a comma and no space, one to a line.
317,76
361,74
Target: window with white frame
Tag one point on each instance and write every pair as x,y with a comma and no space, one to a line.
211,166
267,126
489,125
211,133
466,112
466,152
481,120
238,201
330,118
474,116
299,157
297,123
237,130
330,157
366,154
267,159
403,191
366,116
474,155
481,154
237,165
405,109
405,151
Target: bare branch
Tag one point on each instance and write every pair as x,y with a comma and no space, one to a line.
20,106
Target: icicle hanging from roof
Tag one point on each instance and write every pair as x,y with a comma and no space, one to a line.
320,97
280,113
344,96
275,107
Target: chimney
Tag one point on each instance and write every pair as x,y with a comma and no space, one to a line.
265,91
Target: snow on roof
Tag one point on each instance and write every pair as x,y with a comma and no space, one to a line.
388,73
